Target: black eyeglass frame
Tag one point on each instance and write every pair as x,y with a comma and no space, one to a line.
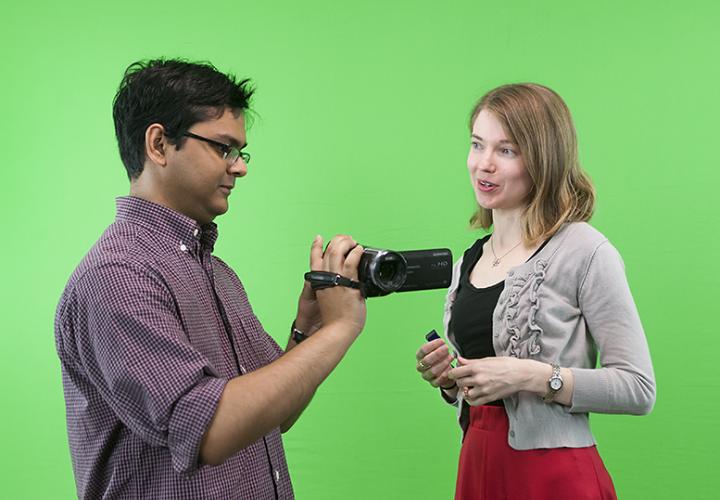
229,153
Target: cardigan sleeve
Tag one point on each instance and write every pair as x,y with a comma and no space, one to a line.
447,310
624,382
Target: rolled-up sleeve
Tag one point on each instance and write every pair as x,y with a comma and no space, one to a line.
624,383
131,343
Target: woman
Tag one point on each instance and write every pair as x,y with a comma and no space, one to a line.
529,308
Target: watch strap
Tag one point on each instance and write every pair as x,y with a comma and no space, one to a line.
323,279
296,334
550,394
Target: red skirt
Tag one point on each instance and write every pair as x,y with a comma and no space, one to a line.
490,469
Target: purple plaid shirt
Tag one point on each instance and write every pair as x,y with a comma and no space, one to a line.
149,330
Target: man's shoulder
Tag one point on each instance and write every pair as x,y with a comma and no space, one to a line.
227,274
121,248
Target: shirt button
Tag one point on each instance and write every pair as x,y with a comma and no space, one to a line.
277,476
196,232
242,369
512,434
511,273
183,248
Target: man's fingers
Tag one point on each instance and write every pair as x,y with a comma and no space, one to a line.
336,251
316,254
352,261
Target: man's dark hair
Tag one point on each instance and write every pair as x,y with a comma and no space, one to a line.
175,93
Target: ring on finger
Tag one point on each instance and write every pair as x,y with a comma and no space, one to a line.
466,392
422,365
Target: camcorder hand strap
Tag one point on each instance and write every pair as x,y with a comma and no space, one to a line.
323,279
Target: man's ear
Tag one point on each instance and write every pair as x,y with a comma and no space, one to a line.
156,144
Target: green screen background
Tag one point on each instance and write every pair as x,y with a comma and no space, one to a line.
361,128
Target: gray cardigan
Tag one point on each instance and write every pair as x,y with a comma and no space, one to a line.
565,304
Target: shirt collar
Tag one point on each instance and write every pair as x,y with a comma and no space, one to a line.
166,222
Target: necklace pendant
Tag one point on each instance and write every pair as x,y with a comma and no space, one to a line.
496,263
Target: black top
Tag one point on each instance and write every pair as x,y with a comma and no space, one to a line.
471,322
471,318
472,310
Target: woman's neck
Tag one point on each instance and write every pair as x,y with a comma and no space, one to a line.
507,227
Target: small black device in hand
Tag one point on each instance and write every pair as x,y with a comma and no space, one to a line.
432,335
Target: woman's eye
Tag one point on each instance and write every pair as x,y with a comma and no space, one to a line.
508,152
476,145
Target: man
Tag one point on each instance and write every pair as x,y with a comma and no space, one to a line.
173,389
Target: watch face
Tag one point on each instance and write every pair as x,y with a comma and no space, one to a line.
555,384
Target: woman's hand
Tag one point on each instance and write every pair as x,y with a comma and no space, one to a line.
488,379
433,363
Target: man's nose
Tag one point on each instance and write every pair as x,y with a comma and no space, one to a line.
239,168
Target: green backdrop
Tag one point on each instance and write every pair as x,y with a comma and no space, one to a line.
361,128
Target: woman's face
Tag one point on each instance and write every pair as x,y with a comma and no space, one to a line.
497,170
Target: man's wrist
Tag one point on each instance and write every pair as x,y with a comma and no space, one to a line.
297,334
344,327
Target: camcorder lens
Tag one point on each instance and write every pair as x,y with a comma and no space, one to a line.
382,272
387,270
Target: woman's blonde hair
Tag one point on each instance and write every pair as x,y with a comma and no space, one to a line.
538,121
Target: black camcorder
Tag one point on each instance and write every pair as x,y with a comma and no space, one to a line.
382,272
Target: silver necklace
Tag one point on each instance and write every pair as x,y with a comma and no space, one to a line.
497,260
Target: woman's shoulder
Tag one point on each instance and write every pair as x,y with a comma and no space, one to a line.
579,238
576,245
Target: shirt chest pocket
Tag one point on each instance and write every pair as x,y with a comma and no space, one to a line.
203,326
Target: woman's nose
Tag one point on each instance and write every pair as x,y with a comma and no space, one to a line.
482,160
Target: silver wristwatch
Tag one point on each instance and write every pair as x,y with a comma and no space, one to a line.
555,383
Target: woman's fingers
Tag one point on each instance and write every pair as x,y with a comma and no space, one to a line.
427,348
435,371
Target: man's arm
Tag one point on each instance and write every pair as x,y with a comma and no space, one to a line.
287,424
273,396
308,321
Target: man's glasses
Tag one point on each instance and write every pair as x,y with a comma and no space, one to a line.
229,153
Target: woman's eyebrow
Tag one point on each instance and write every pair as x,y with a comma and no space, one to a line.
503,141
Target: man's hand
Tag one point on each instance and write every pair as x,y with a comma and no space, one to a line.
273,396
308,319
339,304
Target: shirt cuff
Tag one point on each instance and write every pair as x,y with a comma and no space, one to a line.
189,421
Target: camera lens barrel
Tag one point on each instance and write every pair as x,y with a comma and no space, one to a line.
381,271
